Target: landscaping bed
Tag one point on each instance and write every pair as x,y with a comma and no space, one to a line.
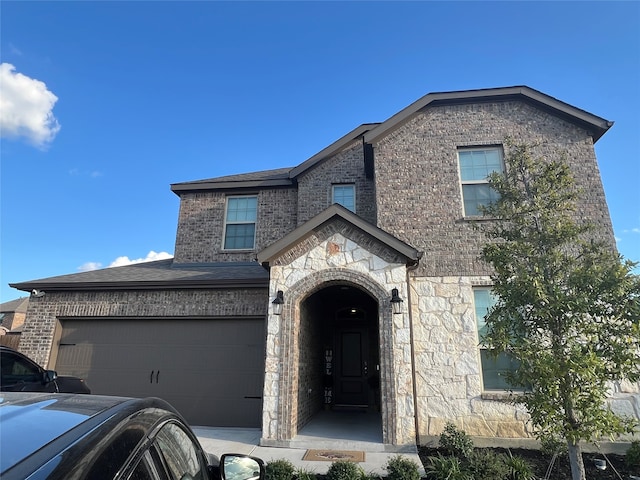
561,469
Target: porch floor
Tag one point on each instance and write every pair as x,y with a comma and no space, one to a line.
342,430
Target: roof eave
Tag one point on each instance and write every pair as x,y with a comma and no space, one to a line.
232,185
276,249
142,285
596,125
332,149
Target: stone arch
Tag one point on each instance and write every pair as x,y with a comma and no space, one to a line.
295,295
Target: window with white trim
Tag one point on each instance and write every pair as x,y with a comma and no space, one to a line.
476,164
493,368
240,223
344,195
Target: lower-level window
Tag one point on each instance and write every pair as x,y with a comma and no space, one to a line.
493,368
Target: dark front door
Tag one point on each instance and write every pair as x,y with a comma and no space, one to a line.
352,366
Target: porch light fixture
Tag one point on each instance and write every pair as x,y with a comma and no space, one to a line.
396,302
278,302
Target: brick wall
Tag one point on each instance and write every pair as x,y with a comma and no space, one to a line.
314,186
418,187
201,223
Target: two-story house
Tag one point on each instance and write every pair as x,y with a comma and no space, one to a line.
350,281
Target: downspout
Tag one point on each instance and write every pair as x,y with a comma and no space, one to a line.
413,354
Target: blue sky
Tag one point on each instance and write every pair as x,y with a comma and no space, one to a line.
105,104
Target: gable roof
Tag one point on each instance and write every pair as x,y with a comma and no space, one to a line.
157,275
265,178
594,124
372,132
281,177
337,211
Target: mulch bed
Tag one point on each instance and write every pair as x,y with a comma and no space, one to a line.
561,468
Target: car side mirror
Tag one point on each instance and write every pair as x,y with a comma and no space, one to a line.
236,466
49,376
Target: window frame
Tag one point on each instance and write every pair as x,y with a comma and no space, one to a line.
343,185
480,182
240,222
502,357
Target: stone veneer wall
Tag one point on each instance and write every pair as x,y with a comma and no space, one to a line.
448,370
334,259
43,313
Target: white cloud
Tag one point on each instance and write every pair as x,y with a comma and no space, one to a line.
26,108
151,256
122,261
87,267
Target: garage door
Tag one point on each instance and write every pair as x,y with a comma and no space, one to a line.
211,370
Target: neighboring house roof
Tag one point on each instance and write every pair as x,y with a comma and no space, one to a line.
18,305
337,211
157,275
372,132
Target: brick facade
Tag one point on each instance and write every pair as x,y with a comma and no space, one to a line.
418,191
430,370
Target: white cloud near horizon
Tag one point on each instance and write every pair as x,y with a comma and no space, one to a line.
124,260
26,108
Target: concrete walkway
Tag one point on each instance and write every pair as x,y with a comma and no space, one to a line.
328,430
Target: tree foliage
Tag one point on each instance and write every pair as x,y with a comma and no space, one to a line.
567,305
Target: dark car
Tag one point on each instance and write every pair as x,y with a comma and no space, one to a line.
18,373
86,437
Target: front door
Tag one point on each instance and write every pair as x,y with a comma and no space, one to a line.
352,366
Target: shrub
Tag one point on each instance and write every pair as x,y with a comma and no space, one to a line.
401,468
487,465
519,468
304,474
281,469
456,442
345,470
553,446
446,468
632,458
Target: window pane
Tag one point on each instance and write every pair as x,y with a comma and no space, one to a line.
475,196
483,301
345,196
493,370
478,164
242,209
239,236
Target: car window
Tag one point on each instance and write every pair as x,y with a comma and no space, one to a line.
146,470
181,456
15,369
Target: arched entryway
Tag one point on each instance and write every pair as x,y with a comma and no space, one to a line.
339,334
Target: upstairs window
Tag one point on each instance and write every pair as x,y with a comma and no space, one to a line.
475,167
493,368
345,195
240,223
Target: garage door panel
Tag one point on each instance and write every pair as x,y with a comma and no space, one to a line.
211,370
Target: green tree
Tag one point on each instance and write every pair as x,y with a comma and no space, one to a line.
567,305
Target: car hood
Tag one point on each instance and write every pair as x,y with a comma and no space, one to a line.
32,420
